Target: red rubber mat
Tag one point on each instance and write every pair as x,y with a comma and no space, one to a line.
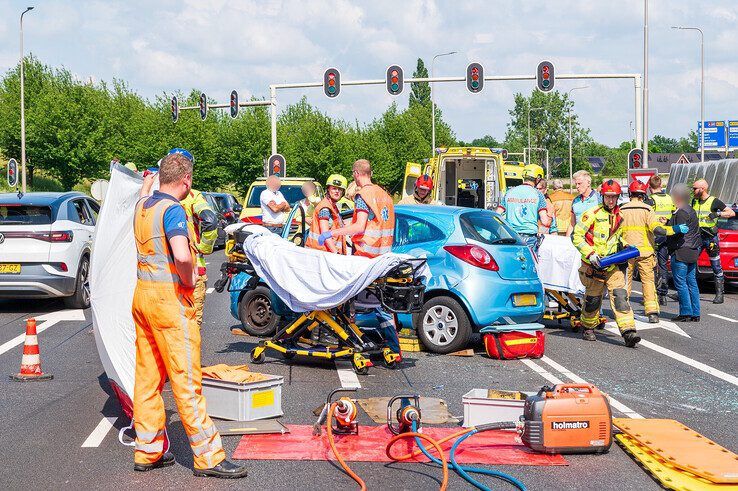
489,447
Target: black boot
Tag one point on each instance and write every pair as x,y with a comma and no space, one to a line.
224,470
631,338
719,290
165,461
682,318
662,300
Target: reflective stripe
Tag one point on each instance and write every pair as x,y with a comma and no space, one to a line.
158,276
198,450
379,233
149,436
155,447
202,435
376,250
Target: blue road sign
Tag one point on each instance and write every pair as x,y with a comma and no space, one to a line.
732,135
714,134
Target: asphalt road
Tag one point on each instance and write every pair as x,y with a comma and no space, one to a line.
55,434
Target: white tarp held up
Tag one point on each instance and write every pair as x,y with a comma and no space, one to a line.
308,279
558,265
113,280
719,174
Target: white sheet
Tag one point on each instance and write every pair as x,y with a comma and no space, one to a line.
113,279
308,279
558,265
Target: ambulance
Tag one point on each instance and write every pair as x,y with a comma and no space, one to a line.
473,177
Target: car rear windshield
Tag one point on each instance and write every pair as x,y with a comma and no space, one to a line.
25,215
728,224
488,228
292,193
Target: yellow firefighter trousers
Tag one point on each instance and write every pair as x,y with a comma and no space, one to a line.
646,269
168,344
595,283
200,289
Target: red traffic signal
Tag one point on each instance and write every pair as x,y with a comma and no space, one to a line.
12,173
332,82
234,104
175,109
545,76
395,80
276,165
203,106
635,159
474,77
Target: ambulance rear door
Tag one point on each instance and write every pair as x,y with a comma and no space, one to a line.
413,170
492,196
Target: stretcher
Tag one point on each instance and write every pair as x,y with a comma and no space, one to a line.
558,268
322,314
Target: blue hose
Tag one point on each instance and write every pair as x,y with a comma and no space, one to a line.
463,470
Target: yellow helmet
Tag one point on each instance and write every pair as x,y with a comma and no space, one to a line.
337,181
532,172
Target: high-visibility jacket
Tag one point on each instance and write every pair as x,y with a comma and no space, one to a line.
334,222
703,210
380,229
562,202
599,231
663,206
639,226
205,225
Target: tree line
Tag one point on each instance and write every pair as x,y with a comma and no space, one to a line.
74,128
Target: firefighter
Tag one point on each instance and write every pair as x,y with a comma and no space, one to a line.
423,193
709,209
639,227
596,235
205,228
372,230
167,334
327,216
663,207
525,208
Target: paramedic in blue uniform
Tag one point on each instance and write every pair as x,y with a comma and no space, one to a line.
525,208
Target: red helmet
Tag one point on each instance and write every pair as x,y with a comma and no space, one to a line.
610,187
637,187
424,181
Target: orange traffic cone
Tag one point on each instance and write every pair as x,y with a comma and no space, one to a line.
31,362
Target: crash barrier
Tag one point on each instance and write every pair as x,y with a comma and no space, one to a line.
30,369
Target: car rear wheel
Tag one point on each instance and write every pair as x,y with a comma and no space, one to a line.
256,313
443,326
81,297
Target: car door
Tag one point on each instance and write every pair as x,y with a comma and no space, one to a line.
83,218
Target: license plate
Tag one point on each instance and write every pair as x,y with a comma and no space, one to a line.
524,300
10,268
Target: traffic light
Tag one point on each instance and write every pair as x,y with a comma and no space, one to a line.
545,76
475,77
175,109
203,106
12,173
635,159
234,103
332,82
277,165
395,80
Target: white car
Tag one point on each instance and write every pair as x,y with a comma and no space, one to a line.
45,246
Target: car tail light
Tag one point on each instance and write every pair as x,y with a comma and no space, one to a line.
474,255
61,267
57,236
60,236
228,214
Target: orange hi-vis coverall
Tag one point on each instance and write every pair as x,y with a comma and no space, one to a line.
380,229
167,344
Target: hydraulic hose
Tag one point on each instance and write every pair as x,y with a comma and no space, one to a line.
344,465
419,436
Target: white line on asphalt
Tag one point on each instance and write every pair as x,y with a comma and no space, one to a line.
576,378
723,318
44,322
346,373
541,371
693,363
98,434
210,290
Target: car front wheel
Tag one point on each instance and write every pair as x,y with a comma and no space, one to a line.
443,325
81,297
256,313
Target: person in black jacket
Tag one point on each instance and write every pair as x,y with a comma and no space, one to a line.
684,250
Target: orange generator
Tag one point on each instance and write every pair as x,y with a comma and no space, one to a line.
568,418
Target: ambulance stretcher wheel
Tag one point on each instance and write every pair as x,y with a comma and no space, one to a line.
257,359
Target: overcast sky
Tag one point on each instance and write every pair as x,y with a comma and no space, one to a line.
218,45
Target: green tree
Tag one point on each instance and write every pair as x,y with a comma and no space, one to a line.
485,141
420,92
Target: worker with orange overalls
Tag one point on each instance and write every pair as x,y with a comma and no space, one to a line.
167,333
372,231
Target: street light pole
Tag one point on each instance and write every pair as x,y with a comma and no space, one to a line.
433,102
702,86
571,167
630,143
529,110
645,83
23,105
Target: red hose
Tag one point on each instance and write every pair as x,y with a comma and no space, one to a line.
435,444
344,465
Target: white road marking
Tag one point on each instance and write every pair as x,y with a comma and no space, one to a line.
210,290
642,324
346,373
98,434
576,378
541,371
44,322
723,318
